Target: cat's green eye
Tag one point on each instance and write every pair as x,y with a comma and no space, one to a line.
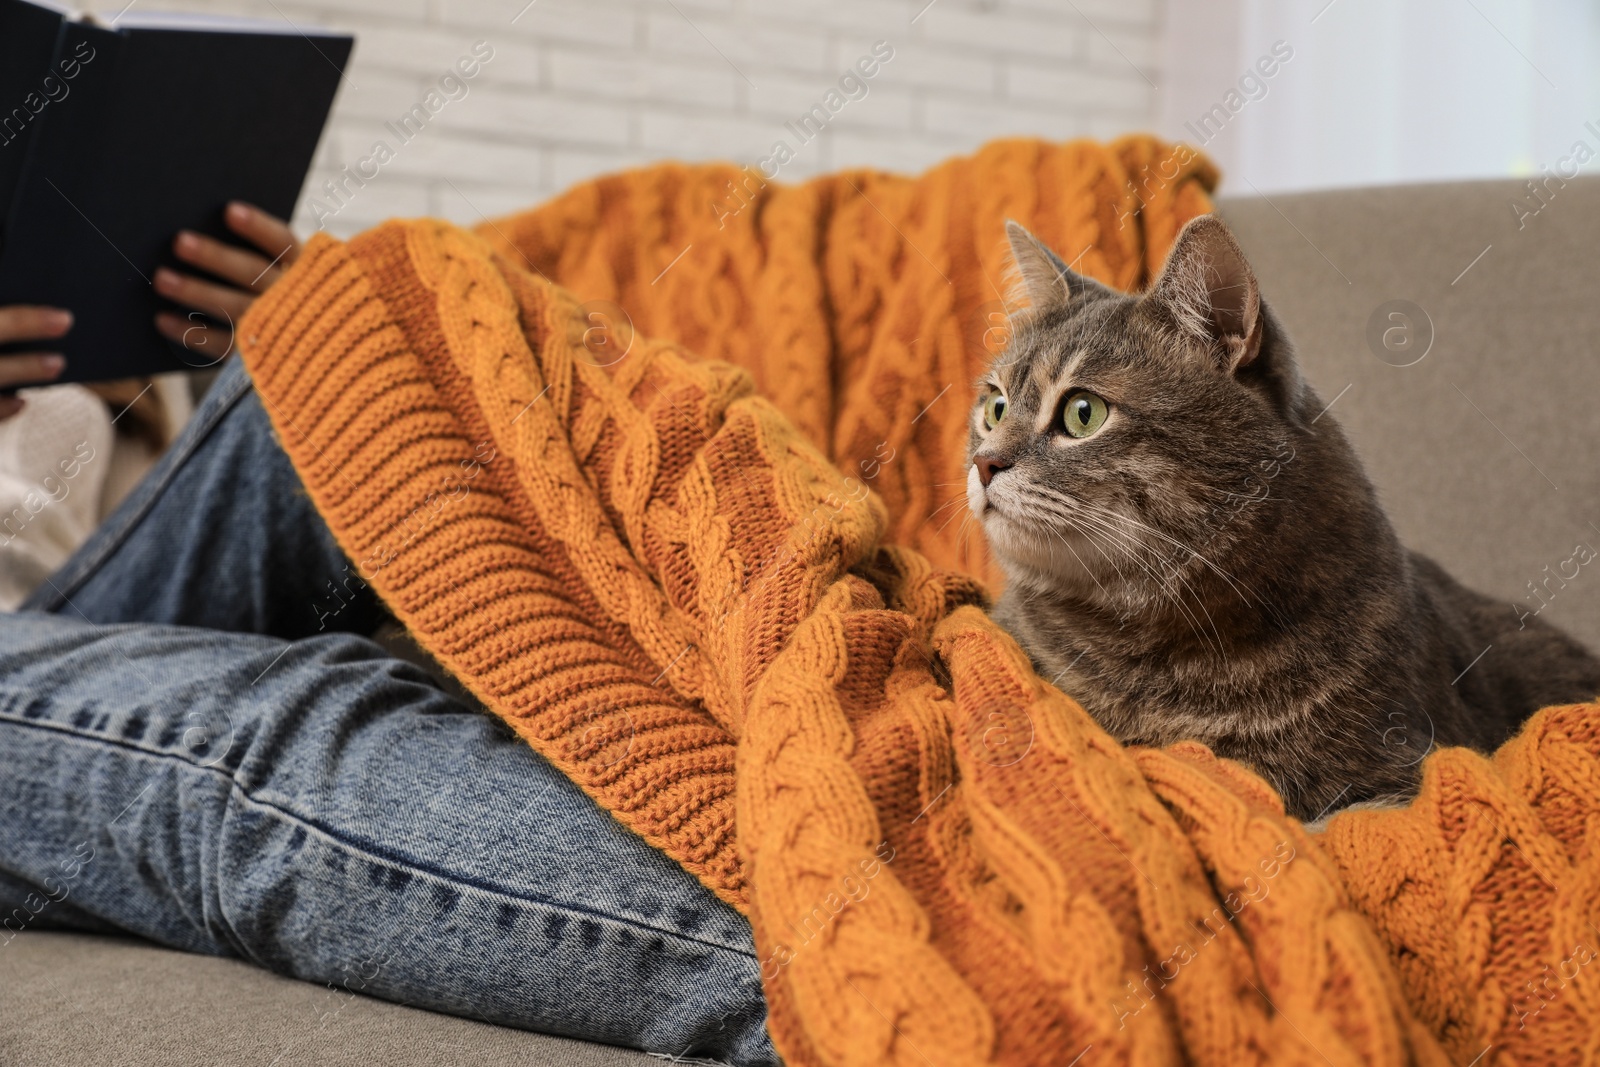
1083,413
994,409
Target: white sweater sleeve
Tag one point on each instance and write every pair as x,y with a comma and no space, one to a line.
54,455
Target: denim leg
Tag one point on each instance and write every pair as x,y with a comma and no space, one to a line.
220,534
325,811
192,753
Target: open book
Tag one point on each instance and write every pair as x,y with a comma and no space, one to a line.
116,134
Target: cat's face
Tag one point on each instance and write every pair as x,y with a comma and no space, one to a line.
1116,435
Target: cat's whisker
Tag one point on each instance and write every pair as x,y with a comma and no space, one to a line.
1051,516
964,531
1033,535
967,512
1162,587
1088,533
1119,540
959,498
1233,582
1087,569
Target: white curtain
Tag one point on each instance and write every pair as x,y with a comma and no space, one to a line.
1382,91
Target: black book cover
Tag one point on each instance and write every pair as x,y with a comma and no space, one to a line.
161,128
27,51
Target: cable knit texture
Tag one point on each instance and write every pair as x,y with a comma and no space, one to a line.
719,592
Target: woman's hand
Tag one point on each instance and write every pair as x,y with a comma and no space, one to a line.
208,329
24,322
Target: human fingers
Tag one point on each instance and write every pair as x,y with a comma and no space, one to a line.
30,322
30,368
240,266
267,232
218,301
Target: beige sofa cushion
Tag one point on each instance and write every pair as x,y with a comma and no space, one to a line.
1487,451
78,1001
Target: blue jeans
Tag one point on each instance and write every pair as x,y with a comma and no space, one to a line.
198,746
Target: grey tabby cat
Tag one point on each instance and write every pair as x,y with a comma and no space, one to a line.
1193,551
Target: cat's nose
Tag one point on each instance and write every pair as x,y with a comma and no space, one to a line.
988,467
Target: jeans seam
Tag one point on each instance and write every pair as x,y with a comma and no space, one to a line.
362,851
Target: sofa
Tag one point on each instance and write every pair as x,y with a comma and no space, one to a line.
1450,328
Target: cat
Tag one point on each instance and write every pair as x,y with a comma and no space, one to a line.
1193,551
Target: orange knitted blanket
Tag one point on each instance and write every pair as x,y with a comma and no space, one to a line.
722,595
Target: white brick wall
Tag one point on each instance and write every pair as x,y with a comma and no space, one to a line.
581,87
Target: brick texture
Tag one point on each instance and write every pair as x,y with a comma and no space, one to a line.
576,88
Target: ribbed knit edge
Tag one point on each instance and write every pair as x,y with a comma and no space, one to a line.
348,358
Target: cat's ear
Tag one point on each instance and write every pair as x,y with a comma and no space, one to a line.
1209,290
1043,280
